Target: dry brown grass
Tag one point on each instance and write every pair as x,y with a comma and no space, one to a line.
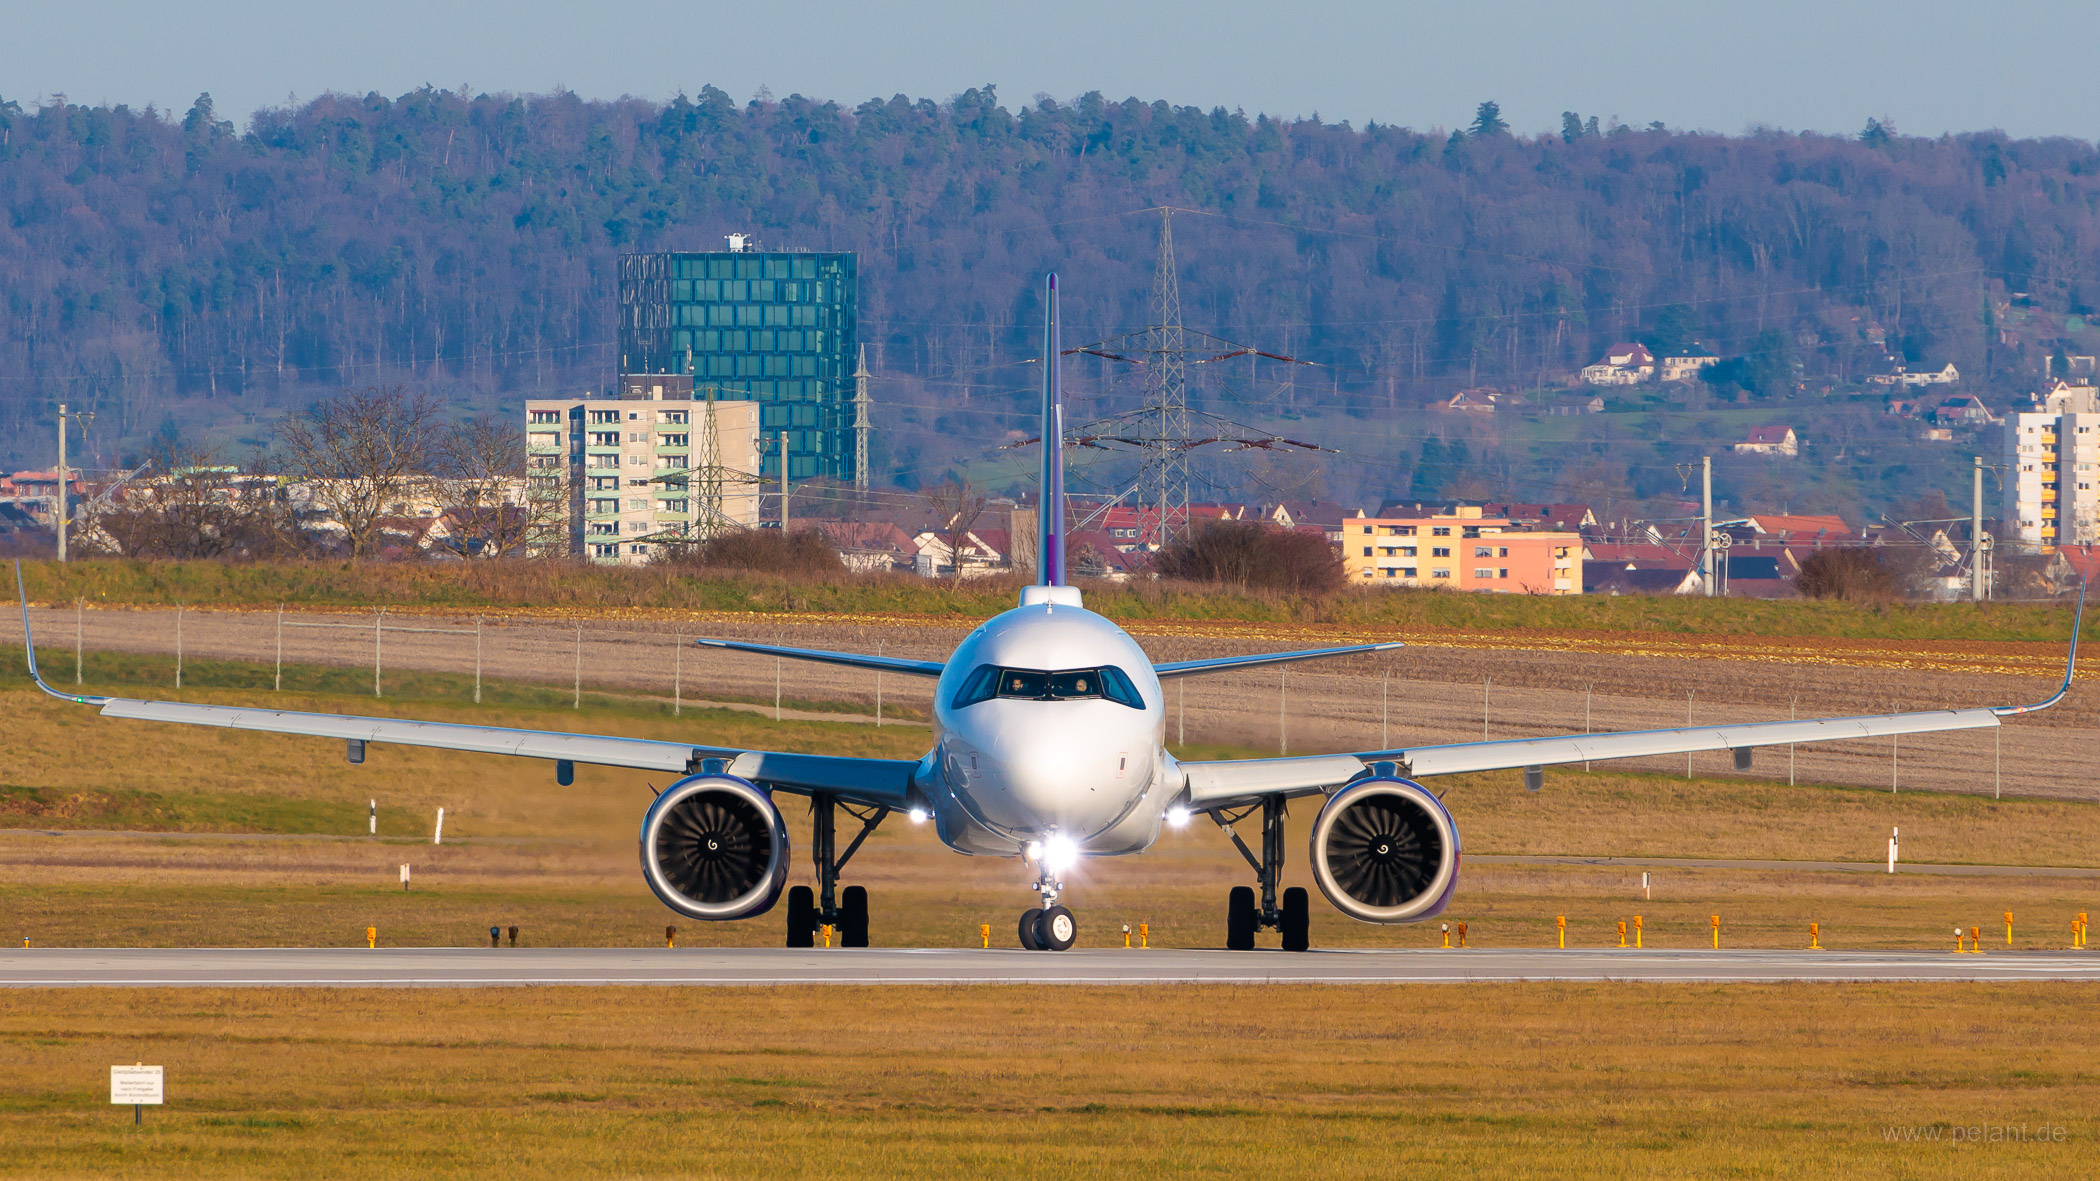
560,862
1511,1080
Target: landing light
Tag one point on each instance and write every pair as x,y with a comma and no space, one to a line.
1035,850
1060,854
918,815
1178,817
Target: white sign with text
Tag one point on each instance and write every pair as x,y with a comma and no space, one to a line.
135,1084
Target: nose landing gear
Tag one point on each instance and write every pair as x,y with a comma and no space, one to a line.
1048,927
1293,920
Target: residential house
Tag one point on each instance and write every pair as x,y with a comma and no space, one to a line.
1571,405
1771,440
1892,372
1131,526
1623,364
1323,516
976,554
1685,368
1480,401
1612,578
871,546
1794,528
1566,518
1962,410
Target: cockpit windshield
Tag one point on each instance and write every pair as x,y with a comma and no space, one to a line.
987,681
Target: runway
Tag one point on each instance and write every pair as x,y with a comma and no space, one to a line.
730,967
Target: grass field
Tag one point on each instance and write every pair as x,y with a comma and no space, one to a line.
1509,1080
248,839
605,592
561,864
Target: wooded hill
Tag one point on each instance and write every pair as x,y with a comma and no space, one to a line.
159,265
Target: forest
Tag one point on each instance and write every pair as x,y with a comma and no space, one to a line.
177,274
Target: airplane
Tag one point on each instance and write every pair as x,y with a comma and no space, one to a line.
1049,745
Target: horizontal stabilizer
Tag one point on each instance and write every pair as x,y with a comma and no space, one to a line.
1218,664
880,664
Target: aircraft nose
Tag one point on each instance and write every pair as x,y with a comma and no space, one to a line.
1076,777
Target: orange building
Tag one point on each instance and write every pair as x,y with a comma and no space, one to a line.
1462,550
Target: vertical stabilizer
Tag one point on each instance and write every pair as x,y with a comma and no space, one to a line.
1050,525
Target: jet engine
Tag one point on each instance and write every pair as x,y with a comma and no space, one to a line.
1384,850
714,847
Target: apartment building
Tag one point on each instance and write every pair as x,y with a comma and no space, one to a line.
1462,550
2051,453
626,464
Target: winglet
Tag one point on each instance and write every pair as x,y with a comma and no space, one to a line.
29,648
1050,522
2070,667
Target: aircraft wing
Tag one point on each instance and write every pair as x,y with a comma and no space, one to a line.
1234,782
1183,668
881,664
885,782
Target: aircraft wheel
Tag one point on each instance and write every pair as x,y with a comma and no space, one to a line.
802,917
1297,920
1240,919
853,917
1031,938
1056,930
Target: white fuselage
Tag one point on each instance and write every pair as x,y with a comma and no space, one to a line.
1009,770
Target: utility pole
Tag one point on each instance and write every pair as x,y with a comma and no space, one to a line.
783,484
1166,356
1976,583
1706,525
860,423
61,482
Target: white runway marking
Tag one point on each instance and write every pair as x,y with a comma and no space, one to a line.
718,967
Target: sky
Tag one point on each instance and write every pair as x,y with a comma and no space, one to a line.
1928,66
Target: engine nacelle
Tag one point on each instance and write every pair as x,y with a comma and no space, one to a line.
714,847
1384,850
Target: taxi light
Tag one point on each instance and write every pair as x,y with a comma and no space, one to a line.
1178,817
1060,853
918,815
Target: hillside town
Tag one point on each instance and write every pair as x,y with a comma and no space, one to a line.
2042,530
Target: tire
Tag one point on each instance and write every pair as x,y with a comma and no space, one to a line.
802,917
1297,920
853,917
1240,919
1056,930
1030,938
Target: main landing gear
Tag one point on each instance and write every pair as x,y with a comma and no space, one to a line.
1048,927
1242,918
845,913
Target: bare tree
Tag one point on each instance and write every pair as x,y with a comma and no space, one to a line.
363,455
955,505
494,511
1250,554
194,506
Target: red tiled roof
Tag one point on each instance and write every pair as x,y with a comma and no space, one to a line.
1801,524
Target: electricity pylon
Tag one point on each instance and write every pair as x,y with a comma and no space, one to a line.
1165,473
860,423
704,480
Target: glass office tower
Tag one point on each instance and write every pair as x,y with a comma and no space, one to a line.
779,329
